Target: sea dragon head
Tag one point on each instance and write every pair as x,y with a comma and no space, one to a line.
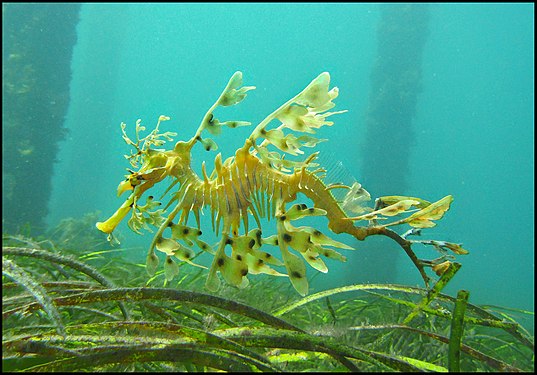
153,165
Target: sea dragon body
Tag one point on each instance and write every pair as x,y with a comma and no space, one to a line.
257,183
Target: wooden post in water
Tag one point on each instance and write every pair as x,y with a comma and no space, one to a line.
395,85
38,41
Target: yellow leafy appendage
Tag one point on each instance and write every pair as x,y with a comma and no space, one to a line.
260,182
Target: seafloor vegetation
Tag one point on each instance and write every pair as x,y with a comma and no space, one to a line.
71,303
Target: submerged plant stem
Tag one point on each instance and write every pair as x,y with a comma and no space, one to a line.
457,328
24,279
140,294
59,259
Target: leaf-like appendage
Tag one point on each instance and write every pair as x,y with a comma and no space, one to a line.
234,94
171,269
234,271
296,269
151,263
167,246
435,211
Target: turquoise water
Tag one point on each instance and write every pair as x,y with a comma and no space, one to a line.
473,129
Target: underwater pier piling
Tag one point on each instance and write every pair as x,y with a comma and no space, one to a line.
36,59
395,85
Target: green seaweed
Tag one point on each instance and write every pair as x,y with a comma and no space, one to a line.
354,328
457,328
22,278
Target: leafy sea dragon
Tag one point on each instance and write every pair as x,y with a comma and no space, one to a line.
260,182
